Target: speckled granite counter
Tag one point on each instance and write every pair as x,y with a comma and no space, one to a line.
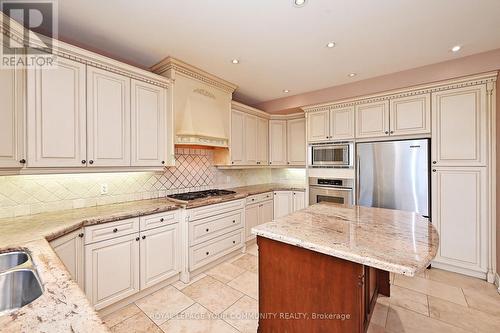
390,240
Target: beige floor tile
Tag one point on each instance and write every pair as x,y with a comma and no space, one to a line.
164,304
253,249
374,328
212,294
139,323
409,299
455,279
225,272
401,320
481,299
247,283
243,315
196,319
379,316
120,315
469,319
432,288
248,262
181,285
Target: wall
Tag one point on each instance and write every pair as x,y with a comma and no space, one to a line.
24,195
498,176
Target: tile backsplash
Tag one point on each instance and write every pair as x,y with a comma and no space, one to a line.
24,195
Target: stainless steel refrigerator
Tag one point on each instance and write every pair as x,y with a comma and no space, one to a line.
394,174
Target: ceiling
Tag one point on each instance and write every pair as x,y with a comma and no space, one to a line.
280,46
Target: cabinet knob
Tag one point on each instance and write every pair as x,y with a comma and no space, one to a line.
287,162
115,230
433,170
162,219
162,162
91,162
234,221
144,237
232,162
386,132
23,161
234,242
206,229
137,239
270,162
80,235
392,132
207,253
434,162
84,161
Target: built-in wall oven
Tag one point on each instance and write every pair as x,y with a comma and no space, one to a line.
331,190
331,154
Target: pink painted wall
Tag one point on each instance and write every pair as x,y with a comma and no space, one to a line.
474,64
498,177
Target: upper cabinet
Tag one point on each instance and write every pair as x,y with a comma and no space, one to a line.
296,141
56,115
459,130
318,126
372,119
331,125
277,142
237,138
262,141
250,139
410,115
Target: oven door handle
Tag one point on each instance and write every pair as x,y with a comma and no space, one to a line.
331,187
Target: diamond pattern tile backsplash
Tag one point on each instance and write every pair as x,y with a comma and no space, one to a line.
24,195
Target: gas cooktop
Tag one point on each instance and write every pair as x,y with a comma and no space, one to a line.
199,194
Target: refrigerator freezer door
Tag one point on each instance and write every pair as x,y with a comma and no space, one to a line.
394,175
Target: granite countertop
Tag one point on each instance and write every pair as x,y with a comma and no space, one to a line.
391,240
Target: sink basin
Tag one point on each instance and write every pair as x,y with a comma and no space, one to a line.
18,288
9,260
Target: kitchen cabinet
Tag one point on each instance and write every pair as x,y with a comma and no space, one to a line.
277,142
250,135
299,200
318,126
237,138
372,119
112,270
342,124
296,141
12,115
283,203
410,115
108,118
56,119
251,219
69,248
262,141
148,124
458,212
159,255
257,213
459,133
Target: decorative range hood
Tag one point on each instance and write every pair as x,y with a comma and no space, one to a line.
201,104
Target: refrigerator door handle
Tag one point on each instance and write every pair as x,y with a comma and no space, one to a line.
358,179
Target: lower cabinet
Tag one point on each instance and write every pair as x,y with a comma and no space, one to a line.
256,214
299,200
287,202
69,248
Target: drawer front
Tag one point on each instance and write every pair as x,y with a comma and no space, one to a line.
110,230
160,219
205,229
205,253
211,210
253,199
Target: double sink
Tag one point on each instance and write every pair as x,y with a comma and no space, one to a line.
19,281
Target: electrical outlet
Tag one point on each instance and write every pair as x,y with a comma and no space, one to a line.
104,188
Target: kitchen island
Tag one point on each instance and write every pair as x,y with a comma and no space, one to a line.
321,268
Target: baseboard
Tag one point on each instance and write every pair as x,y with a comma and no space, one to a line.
460,270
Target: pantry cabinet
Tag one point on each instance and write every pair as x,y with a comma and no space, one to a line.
277,142
372,119
410,115
69,248
296,141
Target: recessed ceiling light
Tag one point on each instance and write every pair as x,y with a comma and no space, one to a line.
456,48
286,91
352,74
235,61
330,44
299,3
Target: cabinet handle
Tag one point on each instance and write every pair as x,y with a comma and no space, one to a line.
434,162
80,235
207,253
115,230
23,161
91,162
206,229
162,219
84,161
162,162
144,237
137,239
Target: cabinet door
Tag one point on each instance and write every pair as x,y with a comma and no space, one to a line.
277,142
266,211
296,144
108,118
283,203
12,117
251,220
318,126
342,124
69,248
237,138
372,119
459,215
299,200
148,123
411,115
262,141
159,254
459,135
112,270
56,120
250,140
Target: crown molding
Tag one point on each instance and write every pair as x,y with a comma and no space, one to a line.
170,67
249,109
465,81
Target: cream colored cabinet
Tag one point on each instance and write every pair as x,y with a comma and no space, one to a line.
299,200
237,138
112,270
277,142
318,126
108,118
266,211
459,133
159,256
148,124
372,119
251,219
410,115
342,124
12,118
296,141
250,135
262,141
56,120
459,206
69,248
283,203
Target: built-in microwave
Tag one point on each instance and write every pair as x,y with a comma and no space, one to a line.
332,154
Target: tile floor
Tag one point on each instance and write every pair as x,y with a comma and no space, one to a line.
224,299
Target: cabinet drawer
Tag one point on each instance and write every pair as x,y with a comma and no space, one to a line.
204,253
110,230
160,219
211,210
259,198
205,229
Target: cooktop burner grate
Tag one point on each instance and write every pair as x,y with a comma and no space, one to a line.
200,194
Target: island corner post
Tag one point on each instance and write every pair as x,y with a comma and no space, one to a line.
301,290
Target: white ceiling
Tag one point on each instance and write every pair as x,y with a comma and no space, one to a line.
280,46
